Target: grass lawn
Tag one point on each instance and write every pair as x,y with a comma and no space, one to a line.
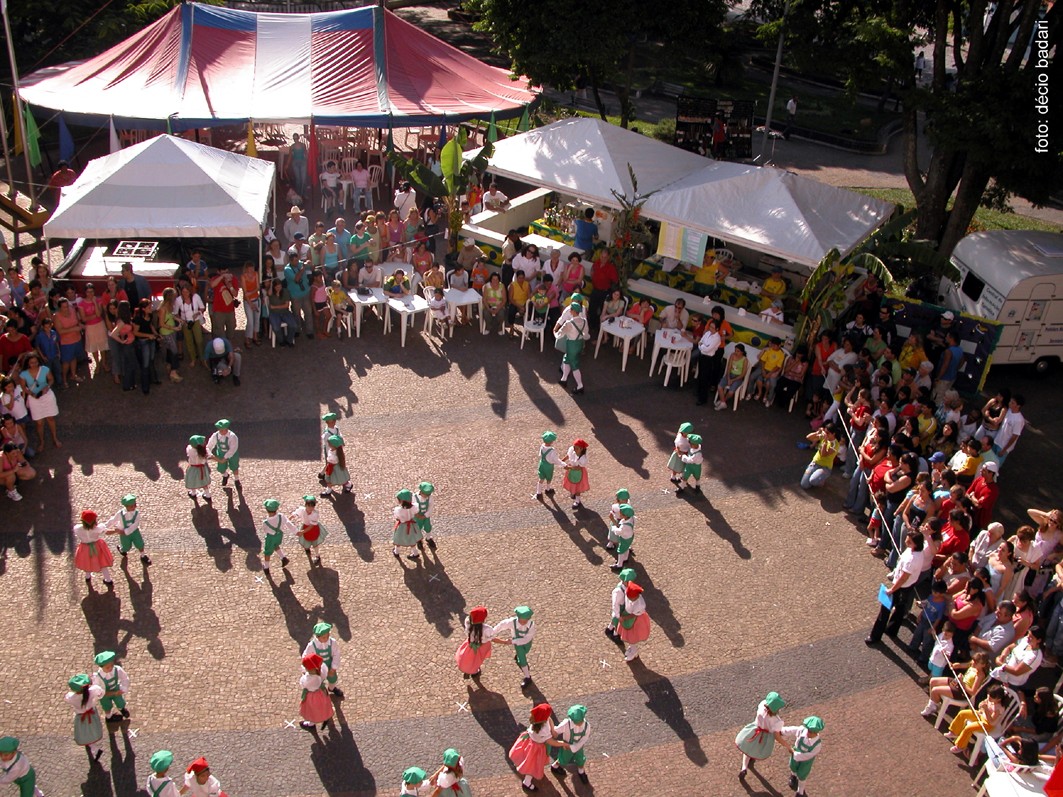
984,218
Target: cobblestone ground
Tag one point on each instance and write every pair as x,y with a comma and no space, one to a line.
758,586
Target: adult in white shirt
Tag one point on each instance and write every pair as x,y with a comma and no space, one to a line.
494,199
296,222
405,199
553,265
1010,429
675,316
841,357
710,351
528,262
1021,659
901,591
369,276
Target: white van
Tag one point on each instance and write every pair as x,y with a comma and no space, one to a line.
1016,279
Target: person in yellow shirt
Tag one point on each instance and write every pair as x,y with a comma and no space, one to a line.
519,294
767,372
774,286
708,274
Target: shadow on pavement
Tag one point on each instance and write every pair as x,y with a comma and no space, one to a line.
573,528
441,601
98,782
660,609
493,714
338,762
353,520
663,701
716,522
326,582
123,764
298,620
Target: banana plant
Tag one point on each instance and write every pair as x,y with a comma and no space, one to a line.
824,295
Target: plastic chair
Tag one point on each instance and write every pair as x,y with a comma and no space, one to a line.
679,359
376,177
531,325
1011,712
273,334
340,322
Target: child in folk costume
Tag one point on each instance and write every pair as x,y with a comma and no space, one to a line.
126,524
311,531
624,533
423,518
159,783
757,739
336,473
199,782
450,777
577,481
325,645
83,698
634,626
440,310
115,683
414,782
273,527
16,768
627,575
574,731
476,649
332,427
521,631
197,475
623,496
224,448
691,465
314,705
91,555
681,447
528,752
405,534
807,744
548,460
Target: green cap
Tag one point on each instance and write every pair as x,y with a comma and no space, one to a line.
623,495
426,487
106,657
335,441
404,495
695,439
322,628
577,297
8,744
627,510
774,701
814,724
222,424
628,574
78,682
330,416
309,499
549,437
686,428
271,504
576,305
577,713
129,499
197,440
412,776
451,757
523,612
161,760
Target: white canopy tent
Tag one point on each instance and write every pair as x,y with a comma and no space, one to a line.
166,187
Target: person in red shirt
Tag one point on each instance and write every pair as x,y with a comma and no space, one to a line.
604,278
983,493
955,535
60,179
223,305
13,344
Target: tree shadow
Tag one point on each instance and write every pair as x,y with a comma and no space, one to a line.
493,714
123,765
660,609
326,583
440,600
338,762
353,520
716,522
585,520
662,700
298,619
145,622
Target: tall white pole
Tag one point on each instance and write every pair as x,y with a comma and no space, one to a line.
7,152
774,86
21,118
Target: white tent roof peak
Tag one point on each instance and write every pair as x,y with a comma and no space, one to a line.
166,187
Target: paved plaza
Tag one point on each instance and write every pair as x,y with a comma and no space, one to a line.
757,586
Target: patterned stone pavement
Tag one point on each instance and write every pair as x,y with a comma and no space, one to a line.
756,587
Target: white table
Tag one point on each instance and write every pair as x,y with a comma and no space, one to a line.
668,340
1015,784
406,307
376,297
543,243
456,298
626,329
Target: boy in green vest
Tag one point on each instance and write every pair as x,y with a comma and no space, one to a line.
16,768
423,518
548,460
807,744
126,524
115,684
521,630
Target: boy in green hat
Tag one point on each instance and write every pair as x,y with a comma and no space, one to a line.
574,731
548,460
627,575
273,527
423,518
126,524
332,427
571,331
224,448
680,447
405,534
158,784
807,743
521,630
623,496
691,466
414,782
624,534
326,646
16,768
114,681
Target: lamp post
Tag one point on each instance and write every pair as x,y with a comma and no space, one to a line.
774,84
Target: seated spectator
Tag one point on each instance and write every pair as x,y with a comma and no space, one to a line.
11,432
975,674
527,260
793,375
767,371
330,187
519,294
13,469
614,306
480,274
369,276
675,316
494,306
985,719
469,253
421,260
995,631
281,318
642,312
733,375
459,278
223,361
1040,721
773,314
397,285
1019,660
775,285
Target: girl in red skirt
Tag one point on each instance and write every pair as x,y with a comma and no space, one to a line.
91,555
634,625
315,705
528,753
476,648
576,478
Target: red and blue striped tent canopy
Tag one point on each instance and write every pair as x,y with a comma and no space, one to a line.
202,65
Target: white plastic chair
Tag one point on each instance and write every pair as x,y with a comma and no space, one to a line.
530,325
273,335
678,359
340,322
1011,712
376,177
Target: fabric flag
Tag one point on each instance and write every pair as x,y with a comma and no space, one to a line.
17,144
311,157
442,138
115,143
66,142
169,127
252,146
33,139
525,122
492,130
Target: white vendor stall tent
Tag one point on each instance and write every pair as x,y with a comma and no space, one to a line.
767,210
166,187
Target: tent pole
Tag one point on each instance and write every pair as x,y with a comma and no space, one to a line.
7,153
21,118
